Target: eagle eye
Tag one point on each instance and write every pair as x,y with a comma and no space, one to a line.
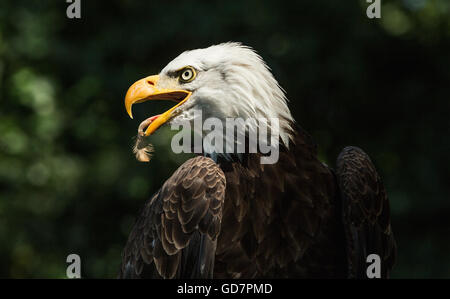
187,74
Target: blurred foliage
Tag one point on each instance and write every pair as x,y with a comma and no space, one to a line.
69,182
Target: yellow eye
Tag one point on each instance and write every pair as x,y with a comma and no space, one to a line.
187,74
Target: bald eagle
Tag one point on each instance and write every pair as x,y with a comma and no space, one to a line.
227,215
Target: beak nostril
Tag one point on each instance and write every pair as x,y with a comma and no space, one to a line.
151,83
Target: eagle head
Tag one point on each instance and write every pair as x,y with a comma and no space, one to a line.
224,81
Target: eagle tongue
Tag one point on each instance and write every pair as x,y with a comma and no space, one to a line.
146,123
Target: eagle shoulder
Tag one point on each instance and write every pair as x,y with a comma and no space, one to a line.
176,234
366,213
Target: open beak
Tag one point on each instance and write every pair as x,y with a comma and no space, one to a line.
146,90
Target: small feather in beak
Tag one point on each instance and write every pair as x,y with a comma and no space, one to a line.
142,149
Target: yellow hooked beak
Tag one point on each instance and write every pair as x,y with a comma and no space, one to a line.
146,90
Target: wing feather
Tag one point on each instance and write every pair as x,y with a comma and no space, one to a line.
366,214
176,234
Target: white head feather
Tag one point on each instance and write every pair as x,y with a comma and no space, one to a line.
232,81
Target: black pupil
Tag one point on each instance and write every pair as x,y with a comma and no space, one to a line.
186,74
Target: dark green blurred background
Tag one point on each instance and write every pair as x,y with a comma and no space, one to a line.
69,182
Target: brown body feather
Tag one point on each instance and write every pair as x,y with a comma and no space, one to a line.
292,219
